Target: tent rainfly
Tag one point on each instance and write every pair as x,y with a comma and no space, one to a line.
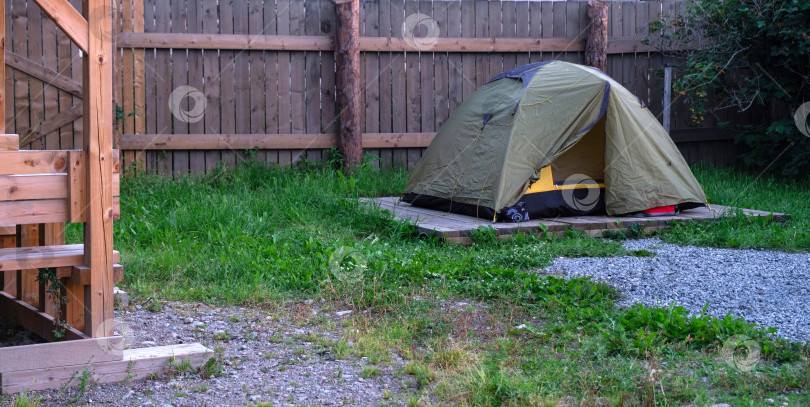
552,139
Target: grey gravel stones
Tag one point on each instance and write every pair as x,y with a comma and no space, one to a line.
768,288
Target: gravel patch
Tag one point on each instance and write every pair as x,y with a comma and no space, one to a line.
280,356
768,288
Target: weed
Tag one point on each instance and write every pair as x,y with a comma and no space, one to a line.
423,374
340,349
25,399
369,372
222,336
154,305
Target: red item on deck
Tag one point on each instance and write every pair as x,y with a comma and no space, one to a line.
661,211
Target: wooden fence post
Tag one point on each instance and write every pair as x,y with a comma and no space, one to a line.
597,42
347,58
98,140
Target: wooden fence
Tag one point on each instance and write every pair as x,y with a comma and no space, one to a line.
264,72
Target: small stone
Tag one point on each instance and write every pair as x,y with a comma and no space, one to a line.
343,313
255,397
721,405
309,301
188,320
521,326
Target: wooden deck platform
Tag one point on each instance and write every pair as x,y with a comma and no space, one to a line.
458,228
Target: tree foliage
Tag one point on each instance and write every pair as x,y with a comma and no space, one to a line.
745,54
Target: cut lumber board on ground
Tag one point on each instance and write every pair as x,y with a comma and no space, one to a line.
135,364
55,354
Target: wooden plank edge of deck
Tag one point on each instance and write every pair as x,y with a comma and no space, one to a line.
454,228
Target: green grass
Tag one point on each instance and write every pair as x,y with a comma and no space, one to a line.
747,190
255,235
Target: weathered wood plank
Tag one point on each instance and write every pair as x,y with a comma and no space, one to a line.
135,364
77,352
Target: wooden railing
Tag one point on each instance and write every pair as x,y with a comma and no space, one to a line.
40,191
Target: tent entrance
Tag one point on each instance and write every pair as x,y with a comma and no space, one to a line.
573,184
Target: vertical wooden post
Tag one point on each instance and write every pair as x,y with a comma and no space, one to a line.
349,106
3,66
667,98
597,41
98,139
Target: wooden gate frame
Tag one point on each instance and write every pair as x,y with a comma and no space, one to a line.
45,189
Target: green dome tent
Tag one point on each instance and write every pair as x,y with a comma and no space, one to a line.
552,139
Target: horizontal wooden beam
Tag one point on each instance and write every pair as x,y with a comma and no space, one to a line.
33,319
33,162
135,364
54,354
225,41
25,187
265,141
44,74
367,44
36,211
24,258
68,19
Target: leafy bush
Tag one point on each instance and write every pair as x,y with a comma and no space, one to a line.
745,54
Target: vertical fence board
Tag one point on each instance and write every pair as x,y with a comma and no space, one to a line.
227,66
468,60
257,78
272,97
398,94
370,27
163,84
412,90
522,17
19,46
642,66
127,79
284,79
441,82
427,84
547,25
656,83
297,80
312,78
455,73
194,25
180,65
50,46
573,28
384,81
211,75
482,73
35,86
328,75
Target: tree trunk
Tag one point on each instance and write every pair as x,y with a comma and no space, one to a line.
597,42
347,58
